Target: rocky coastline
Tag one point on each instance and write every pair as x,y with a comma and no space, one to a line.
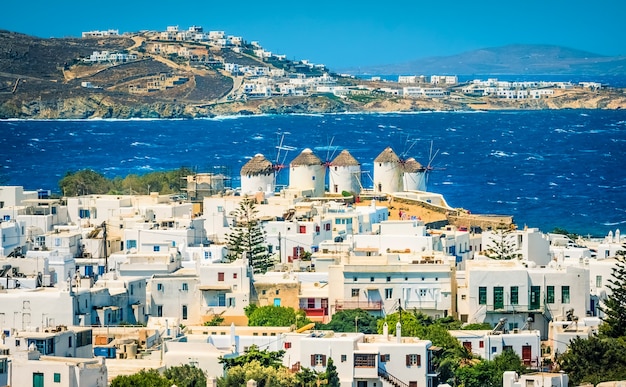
107,107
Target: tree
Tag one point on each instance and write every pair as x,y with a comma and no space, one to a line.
84,182
331,375
614,309
307,377
594,360
485,373
248,237
186,376
144,378
344,321
274,316
264,358
239,375
501,245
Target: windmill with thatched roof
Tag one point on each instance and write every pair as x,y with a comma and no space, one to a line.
344,174
307,173
387,172
257,175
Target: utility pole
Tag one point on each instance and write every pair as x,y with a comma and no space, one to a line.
279,249
104,237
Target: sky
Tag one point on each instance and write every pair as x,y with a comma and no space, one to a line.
346,34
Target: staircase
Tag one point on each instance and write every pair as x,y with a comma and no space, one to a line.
386,376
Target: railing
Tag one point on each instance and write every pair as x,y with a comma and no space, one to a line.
315,312
365,305
390,378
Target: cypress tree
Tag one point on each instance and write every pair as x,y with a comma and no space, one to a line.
614,309
248,236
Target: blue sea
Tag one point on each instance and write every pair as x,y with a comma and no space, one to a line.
553,168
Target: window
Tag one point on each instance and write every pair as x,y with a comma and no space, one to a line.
159,312
423,292
160,287
184,312
364,360
69,342
231,302
234,275
413,360
514,295
185,287
221,299
302,230
482,295
481,344
318,360
344,358
388,293
550,295
565,294
310,303
384,358
327,226
388,279
83,214
276,301
354,279
287,344
355,292
131,243
371,279
57,377
498,297
598,281
156,249
220,277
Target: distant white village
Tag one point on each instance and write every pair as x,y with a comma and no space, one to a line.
267,75
97,286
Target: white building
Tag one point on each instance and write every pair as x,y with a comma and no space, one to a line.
381,284
32,369
490,343
540,294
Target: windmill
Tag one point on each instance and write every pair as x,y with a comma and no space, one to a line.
281,155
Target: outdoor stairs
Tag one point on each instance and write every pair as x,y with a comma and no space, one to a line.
390,379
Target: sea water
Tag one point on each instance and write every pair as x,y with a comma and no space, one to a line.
551,168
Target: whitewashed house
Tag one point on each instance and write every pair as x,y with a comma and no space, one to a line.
381,284
540,294
490,343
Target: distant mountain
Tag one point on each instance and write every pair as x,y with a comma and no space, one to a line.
513,59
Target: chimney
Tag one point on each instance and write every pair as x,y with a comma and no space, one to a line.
399,332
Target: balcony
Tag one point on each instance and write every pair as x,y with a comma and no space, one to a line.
512,309
356,304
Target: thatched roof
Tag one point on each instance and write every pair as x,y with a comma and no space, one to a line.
258,165
387,156
344,159
307,157
413,166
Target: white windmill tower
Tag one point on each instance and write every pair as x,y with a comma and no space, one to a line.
414,175
387,172
258,175
307,172
344,174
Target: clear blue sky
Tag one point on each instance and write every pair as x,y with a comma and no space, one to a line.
346,33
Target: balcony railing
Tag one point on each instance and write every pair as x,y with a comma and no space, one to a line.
365,305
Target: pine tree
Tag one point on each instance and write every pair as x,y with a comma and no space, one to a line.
248,236
614,309
501,246
332,376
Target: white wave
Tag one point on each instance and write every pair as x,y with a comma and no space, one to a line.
499,153
614,223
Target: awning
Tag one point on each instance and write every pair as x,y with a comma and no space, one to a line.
213,287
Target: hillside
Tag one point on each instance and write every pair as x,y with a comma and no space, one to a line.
144,76
512,59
